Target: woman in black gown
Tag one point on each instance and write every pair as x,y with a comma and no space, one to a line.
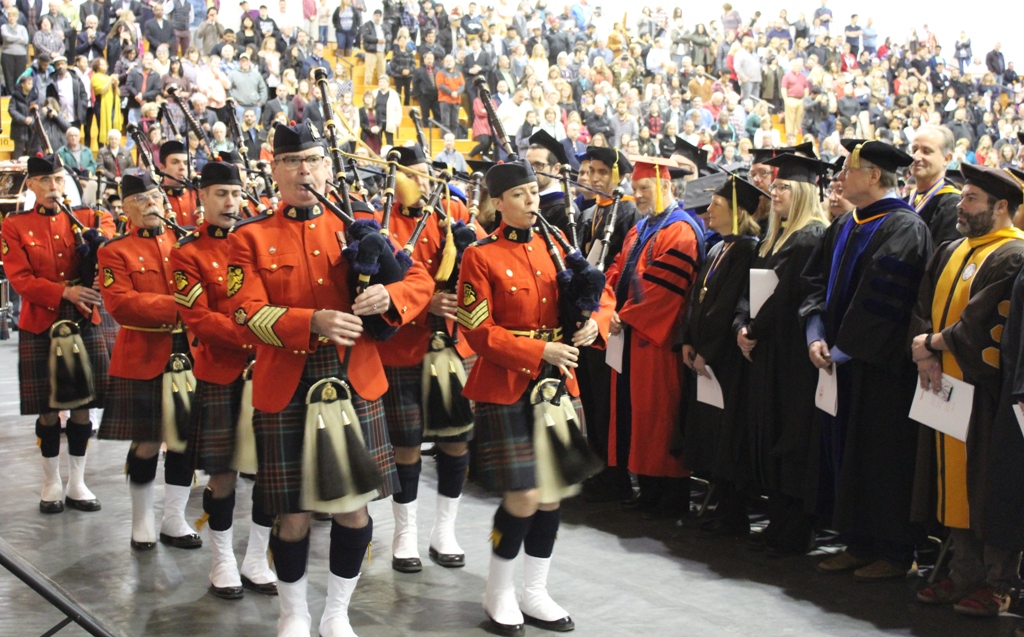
715,440
782,379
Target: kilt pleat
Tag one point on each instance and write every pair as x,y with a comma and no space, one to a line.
34,363
279,438
214,424
403,406
134,408
504,444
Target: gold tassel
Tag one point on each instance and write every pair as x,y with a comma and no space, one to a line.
447,265
658,203
735,209
855,156
615,171
369,552
201,522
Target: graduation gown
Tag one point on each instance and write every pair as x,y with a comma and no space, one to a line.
715,440
552,208
1002,487
862,281
782,378
938,209
965,295
652,277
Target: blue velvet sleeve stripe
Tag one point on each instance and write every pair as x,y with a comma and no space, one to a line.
886,311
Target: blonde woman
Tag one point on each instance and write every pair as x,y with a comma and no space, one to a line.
781,411
539,61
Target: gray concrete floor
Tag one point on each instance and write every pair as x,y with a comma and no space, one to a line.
618,575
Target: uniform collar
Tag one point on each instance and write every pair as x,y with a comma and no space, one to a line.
516,235
415,213
216,231
303,214
147,233
46,212
174,191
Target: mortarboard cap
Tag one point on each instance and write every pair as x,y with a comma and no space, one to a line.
651,167
544,139
794,167
609,157
502,177
698,156
748,196
885,156
699,191
999,184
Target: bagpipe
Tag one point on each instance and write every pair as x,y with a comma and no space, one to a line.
599,251
563,459
251,191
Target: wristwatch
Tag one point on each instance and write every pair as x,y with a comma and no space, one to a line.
928,344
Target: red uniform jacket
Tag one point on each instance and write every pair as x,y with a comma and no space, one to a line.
200,288
655,309
40,261
136,276
508,283
284,267
183,203
409,345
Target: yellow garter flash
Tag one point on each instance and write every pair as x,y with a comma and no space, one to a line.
262,324
472,319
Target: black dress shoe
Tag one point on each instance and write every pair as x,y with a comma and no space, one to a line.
51,507
508,630
724,527
143,546
407,564
562,625
227,592
448,560
190,541
83,505
270,588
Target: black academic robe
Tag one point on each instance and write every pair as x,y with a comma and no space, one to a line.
552,208
1003,488
940,215
861,463
974,341
593,374
716,440
782,378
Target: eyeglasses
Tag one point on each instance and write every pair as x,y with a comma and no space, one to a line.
538,166
293,162
146,197
761,173
779,188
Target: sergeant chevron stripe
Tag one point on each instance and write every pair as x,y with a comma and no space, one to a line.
188,300
262,324
472,320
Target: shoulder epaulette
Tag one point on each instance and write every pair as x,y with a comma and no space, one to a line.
244,222
113,239
485,241
189,238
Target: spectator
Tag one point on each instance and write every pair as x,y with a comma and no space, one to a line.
75,156
450,156
346,22
158,30
795,87
143,85
210,32
374,48
46,40
450,87
369,128
14,51
247,87
388,109
91,42
748,69
22,114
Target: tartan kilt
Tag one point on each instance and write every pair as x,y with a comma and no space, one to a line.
214,423
134,408
504,444
403,406
109,328
34,363
279,438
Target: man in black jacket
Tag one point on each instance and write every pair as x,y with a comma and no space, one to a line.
277,105
996,62
143,85
431,45
477,63
69,91
158,30
424,88
91,42
375,48
503,72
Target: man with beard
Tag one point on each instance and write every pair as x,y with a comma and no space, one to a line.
44,271
934,197
861,280
174,166
284,268
608,167
200,262
135,275
650,279
958,322
547,156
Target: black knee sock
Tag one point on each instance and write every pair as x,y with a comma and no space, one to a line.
348,548
409,479
78,437
508,533
540,540
219,510
176,470
259,516
451,473
289,558
140,470
49,439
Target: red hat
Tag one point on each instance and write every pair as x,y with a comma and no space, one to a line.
455,13
651,167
